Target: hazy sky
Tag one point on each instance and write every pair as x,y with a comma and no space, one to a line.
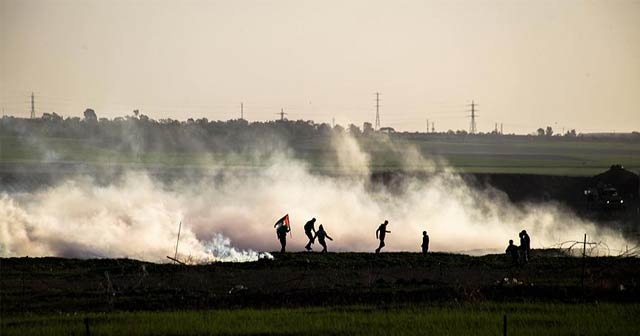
563,63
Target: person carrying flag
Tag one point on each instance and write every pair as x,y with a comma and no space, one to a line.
282,227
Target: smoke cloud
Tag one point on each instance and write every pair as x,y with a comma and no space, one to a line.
228,215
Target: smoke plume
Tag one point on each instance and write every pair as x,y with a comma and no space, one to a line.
227,215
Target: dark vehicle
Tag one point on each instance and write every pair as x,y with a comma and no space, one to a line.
610,199
605,198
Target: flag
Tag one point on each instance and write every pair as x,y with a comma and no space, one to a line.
283,221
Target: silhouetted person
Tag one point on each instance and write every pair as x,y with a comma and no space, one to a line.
513,251
281,232
310,231
381,232
425,242
321,234
525,245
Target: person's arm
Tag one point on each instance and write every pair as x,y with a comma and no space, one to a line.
329,237
387,231
377,233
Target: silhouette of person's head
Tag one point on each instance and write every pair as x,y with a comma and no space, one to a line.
424,233
320,227
386,222
313,219
510,241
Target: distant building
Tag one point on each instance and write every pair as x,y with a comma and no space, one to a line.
387,130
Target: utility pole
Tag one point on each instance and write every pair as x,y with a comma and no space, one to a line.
501,129
427,125
433,127
33,107
333,122
377,124
472,127
282,114
495,130
242,111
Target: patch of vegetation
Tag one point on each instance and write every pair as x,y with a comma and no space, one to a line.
444,319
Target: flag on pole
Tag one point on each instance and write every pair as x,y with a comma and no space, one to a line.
284,221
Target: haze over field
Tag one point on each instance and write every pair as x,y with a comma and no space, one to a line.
566,64
137,216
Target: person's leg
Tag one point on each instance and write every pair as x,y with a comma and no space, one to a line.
310,236
283,243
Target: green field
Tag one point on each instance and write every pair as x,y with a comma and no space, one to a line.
480,155
446,319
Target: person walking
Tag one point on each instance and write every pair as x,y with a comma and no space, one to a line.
310,231
381,233
321,234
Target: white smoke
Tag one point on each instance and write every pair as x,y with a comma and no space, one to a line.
137,216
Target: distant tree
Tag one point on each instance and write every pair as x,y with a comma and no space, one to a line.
461,132
367,128
338,129
324,129
451,132
571,133
549,131
540,131
354,130
51,116
90,115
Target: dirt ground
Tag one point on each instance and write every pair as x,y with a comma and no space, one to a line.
311,279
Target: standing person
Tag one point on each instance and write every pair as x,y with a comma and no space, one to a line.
308,229
381,232
282,228
525,245
321,234
513,251
425,242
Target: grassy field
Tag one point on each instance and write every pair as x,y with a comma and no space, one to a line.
446,319
480,155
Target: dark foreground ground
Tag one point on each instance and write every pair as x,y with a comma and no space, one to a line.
323,294
40,285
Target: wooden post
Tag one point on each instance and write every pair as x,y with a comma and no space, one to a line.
177,241
584,259
504,325
86,327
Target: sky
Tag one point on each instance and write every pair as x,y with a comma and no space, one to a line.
527,64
